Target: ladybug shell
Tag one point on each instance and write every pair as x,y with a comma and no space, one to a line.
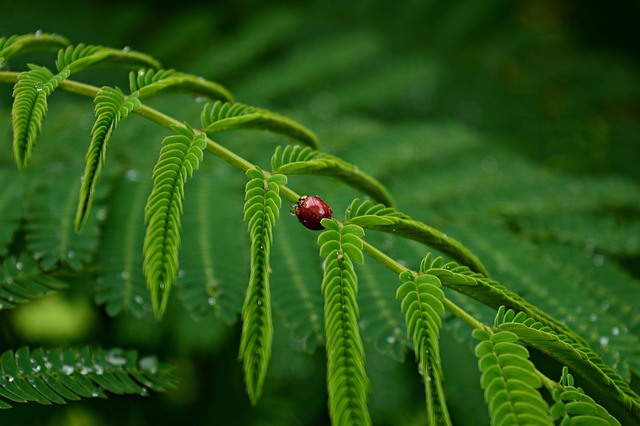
310,211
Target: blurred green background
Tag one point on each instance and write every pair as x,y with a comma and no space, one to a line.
468,111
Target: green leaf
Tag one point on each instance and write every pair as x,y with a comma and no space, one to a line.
580,358
16,45
492,293
219,116
111,107
55,375
347,381
422,303
573,405
509,382
21,281
261,210
294,159
179,157
386,219
151,81
82,57
29,108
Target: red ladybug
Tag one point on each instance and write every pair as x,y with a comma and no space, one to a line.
310,211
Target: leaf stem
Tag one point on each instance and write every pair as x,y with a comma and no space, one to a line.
152,114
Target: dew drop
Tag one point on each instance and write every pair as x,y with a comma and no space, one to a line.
133,175
101,214
124,275
98,369
593,317
67,369
115,357
38,85
144,392
149,363
19,266
604,340
138,299
211,301
94,394
391,339
598,260
615,331
38,33
8,378
313,317
126,49
259,302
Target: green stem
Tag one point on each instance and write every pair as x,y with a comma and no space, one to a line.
463,315
146,112
391,264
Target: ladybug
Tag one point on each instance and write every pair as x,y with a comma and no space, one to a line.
310,211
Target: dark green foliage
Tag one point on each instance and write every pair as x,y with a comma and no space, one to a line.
56,375
21,281
436,101
49,233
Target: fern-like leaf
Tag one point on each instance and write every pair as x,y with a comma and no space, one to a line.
29,108
347,382
82,57
151,81
580,358
111,107
21,281
56,375
294,159
573,406
16,45
261,210
219,116
492,293
509,380
181,154
120,285
422,305
386,219
49,232
12,189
